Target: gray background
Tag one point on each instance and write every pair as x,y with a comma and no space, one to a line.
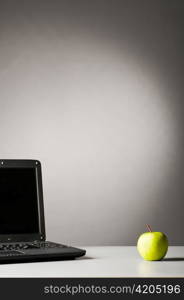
94,89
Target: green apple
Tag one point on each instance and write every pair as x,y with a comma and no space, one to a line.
152,245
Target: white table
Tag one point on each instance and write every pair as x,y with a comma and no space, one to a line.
103,262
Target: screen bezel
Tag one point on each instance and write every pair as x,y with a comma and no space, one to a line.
36,165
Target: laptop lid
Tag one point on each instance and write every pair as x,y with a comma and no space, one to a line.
21,201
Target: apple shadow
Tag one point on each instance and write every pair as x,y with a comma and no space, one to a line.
173,259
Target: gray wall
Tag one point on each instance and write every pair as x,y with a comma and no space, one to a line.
94,89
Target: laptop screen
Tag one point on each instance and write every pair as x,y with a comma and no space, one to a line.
18,201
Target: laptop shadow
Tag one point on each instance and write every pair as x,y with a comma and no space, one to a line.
84,258
173,259
18,262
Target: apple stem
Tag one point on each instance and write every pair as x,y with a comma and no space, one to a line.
149,228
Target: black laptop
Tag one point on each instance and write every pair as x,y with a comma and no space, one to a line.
22,225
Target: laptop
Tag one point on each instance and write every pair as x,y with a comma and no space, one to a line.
22,225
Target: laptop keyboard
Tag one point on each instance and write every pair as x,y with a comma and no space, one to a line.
10,253
33,245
